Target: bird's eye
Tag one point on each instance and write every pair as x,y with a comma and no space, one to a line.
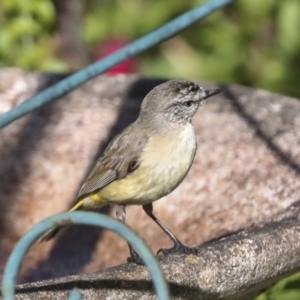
188,103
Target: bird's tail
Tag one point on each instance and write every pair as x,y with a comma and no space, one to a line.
60,229
52,233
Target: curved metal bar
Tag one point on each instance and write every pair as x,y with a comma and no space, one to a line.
153,38
75,295
87,218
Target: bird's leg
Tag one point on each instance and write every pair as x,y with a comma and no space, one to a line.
134,256
178,246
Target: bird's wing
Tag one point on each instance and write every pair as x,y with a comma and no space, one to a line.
121,157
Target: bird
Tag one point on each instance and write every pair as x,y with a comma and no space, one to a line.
148,159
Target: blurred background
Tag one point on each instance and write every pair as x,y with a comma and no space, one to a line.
252,42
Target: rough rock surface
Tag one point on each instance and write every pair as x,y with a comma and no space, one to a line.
245,172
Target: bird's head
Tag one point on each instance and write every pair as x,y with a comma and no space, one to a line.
176,100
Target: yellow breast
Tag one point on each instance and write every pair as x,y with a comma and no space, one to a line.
163,165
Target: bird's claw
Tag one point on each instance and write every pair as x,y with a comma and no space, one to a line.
135,258
178,248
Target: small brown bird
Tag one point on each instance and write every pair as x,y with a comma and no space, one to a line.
149,158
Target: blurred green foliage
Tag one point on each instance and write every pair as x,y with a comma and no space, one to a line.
251,42
287,289
25,33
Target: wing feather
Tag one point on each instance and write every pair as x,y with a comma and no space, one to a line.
97,182
121,157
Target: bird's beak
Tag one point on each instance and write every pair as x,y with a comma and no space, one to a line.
209,93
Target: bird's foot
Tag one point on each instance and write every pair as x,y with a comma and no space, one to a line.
135,258
178,248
